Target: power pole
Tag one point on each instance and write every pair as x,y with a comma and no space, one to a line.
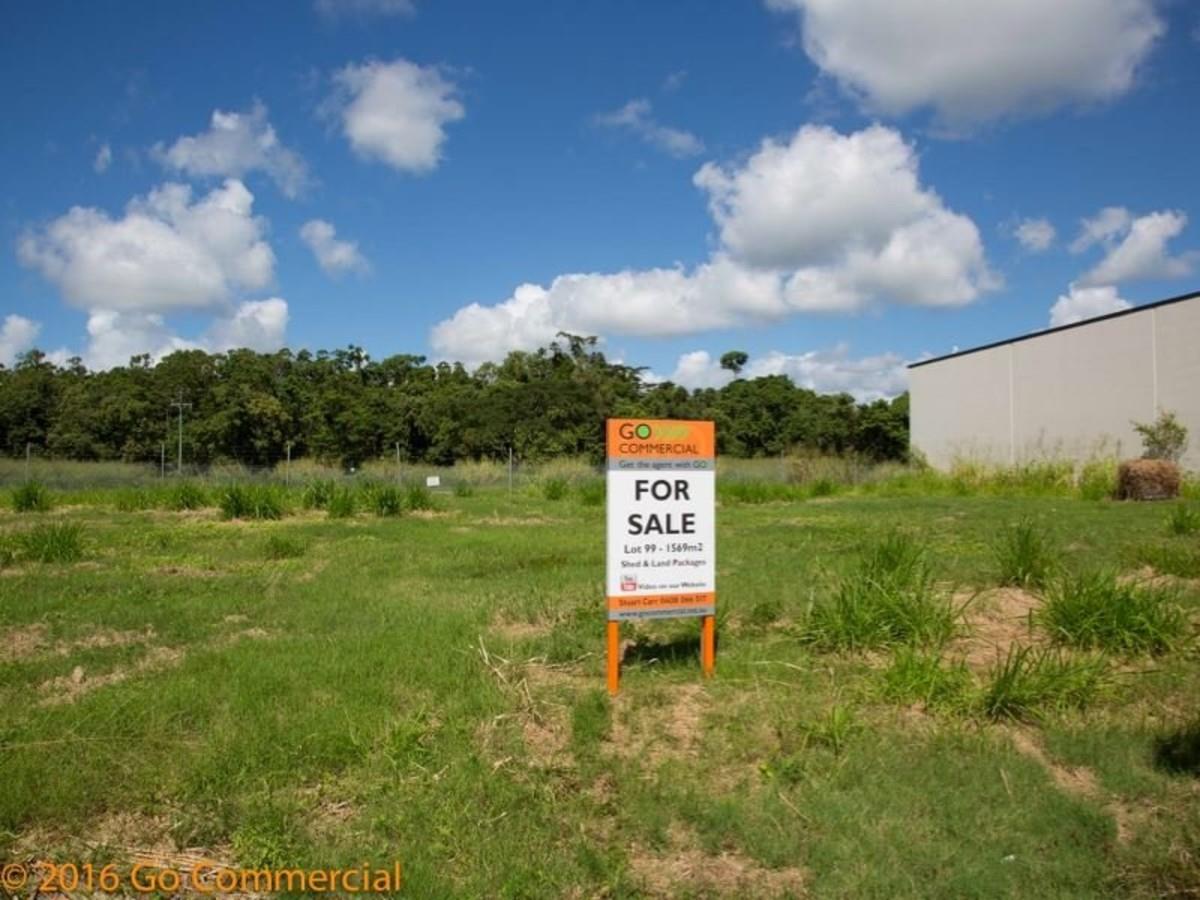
181,405
287,476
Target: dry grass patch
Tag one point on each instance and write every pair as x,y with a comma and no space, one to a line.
69,688
683,868
662,732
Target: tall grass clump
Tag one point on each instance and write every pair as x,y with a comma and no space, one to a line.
251,501
758,492
591,493
134,499
888,598
32,496
1097,479
342,503
1029,680
1096,611
555,488
57,542
1183,520
417,496
187,495
464,489
317,493
385,500
1025,556
917,676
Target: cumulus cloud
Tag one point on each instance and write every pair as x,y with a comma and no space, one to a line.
166,252
395,112
113,336
1035,235
977,60
17,335
333,9
637,117
235,144
825,371
1136,248
103,159
1082,302
822,223
334,256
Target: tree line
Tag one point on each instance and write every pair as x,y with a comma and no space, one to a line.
344,407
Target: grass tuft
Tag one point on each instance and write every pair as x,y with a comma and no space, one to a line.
417,496
1183,520
917,676
1028,681
1025,556
32,496
187,495
386,500
1096,611
317,493
342,503
464,489
57,542
251,501
555,488
592,493
281,547
889,598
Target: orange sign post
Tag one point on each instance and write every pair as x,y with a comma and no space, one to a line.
661,514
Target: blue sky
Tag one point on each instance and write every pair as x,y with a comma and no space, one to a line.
833,187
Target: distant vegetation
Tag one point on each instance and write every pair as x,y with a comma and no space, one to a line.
344,408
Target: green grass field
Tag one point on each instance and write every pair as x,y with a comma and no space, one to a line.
886,720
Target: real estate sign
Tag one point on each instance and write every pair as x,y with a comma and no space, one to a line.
661,519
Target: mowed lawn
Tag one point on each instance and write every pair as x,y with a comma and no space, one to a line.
429,688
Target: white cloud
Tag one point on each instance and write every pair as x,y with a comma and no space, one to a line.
237,143
1035,235
334,9
17,335
1081,303
1141,251
637,117
1101,228
334,256
654,302
674,81
825,222
824,371
256,324
976,60
167,251
103,159
395,112
849,216
115,336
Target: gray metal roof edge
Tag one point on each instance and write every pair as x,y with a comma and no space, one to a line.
1037,334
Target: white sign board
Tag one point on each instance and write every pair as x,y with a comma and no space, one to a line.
661,519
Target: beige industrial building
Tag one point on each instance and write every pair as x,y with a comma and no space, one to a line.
1071,392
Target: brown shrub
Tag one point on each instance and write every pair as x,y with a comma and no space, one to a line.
1147,479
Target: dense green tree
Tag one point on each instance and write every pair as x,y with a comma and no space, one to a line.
342,406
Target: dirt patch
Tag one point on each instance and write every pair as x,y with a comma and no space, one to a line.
31,640
682,868
184,571
994,620
1148,576
659,733
24,641
69,688
316,569
431,513
504,521
520,631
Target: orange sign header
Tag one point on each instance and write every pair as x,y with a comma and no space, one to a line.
660,439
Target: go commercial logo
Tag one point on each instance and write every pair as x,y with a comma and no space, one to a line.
643,432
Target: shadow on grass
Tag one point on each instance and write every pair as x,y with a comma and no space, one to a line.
1179,751
680,651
